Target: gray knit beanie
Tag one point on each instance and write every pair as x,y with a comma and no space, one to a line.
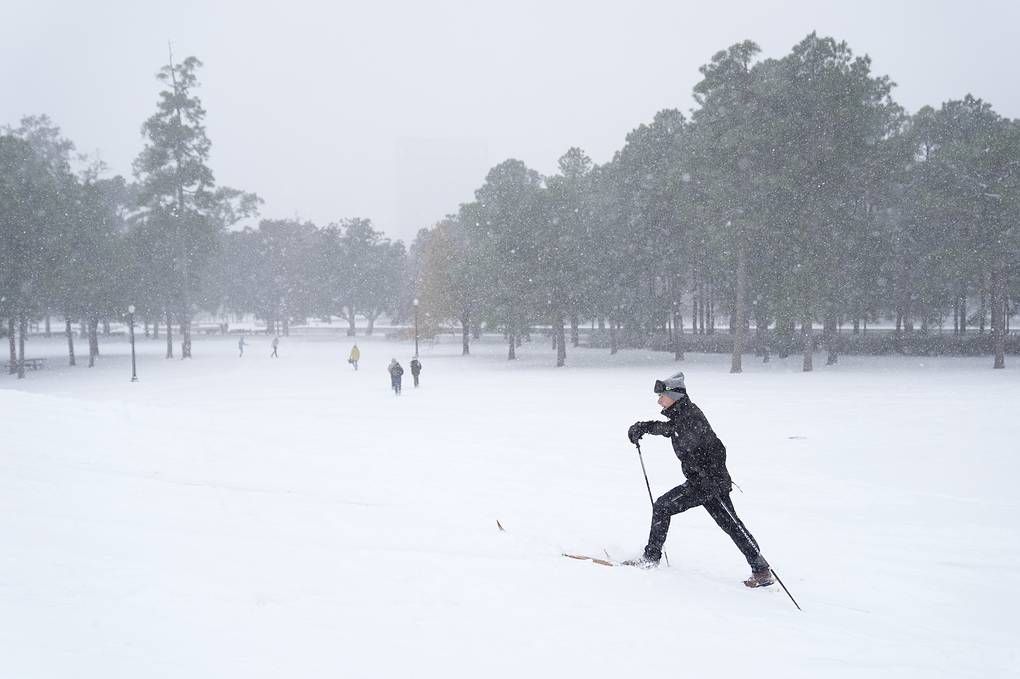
673,386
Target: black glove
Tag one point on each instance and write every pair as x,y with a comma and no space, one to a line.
636,431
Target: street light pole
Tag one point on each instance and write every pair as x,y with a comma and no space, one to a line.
131,332
416,327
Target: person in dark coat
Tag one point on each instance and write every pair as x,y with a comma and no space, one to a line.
415,370
396,373
276,345
703,460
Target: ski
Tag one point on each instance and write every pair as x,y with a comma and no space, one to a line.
593,559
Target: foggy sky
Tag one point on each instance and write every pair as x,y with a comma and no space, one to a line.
395,110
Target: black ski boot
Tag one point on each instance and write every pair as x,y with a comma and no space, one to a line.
761,578
642,562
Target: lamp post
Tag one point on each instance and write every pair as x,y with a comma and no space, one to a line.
131,332
416,327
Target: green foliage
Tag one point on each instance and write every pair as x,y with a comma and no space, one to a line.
182,213
801,172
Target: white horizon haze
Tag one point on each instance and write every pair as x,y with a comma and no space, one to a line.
396,111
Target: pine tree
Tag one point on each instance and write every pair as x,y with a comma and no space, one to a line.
180,205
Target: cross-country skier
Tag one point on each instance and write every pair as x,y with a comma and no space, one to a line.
240,346
703,460
276,345
415,370
396,372
354,357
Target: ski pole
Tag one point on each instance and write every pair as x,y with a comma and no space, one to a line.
649,487
740,525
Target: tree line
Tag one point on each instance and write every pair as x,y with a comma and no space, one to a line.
87,248
797,192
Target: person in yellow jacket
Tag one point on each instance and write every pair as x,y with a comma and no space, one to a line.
354,357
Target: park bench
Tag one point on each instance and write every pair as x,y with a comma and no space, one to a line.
30,363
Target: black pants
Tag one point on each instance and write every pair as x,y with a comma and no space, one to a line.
415,376
718,506
395,383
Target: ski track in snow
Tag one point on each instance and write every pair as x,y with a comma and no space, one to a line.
290,517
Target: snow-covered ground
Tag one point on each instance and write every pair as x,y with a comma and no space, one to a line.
290,517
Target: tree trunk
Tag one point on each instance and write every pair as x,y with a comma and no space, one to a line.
702,306
48,334
575,335
511,344
286,326
695,311
465,334
155,328
185,326
711,308
106,328
678,334
998,300
613,347
368,331
981,309
963,306
169,336
476,330
761,328
602,323
70,341
561,341
831,339
808,342
351,327
93,341
700,311
22,330
737,318
783,334
12,341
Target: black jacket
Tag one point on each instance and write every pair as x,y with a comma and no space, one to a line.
415,366
396,370
702,455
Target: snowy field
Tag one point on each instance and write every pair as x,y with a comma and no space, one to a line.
292,518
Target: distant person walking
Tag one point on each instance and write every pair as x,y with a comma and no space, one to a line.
396,373
354,357
240,347
276,345
415,370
